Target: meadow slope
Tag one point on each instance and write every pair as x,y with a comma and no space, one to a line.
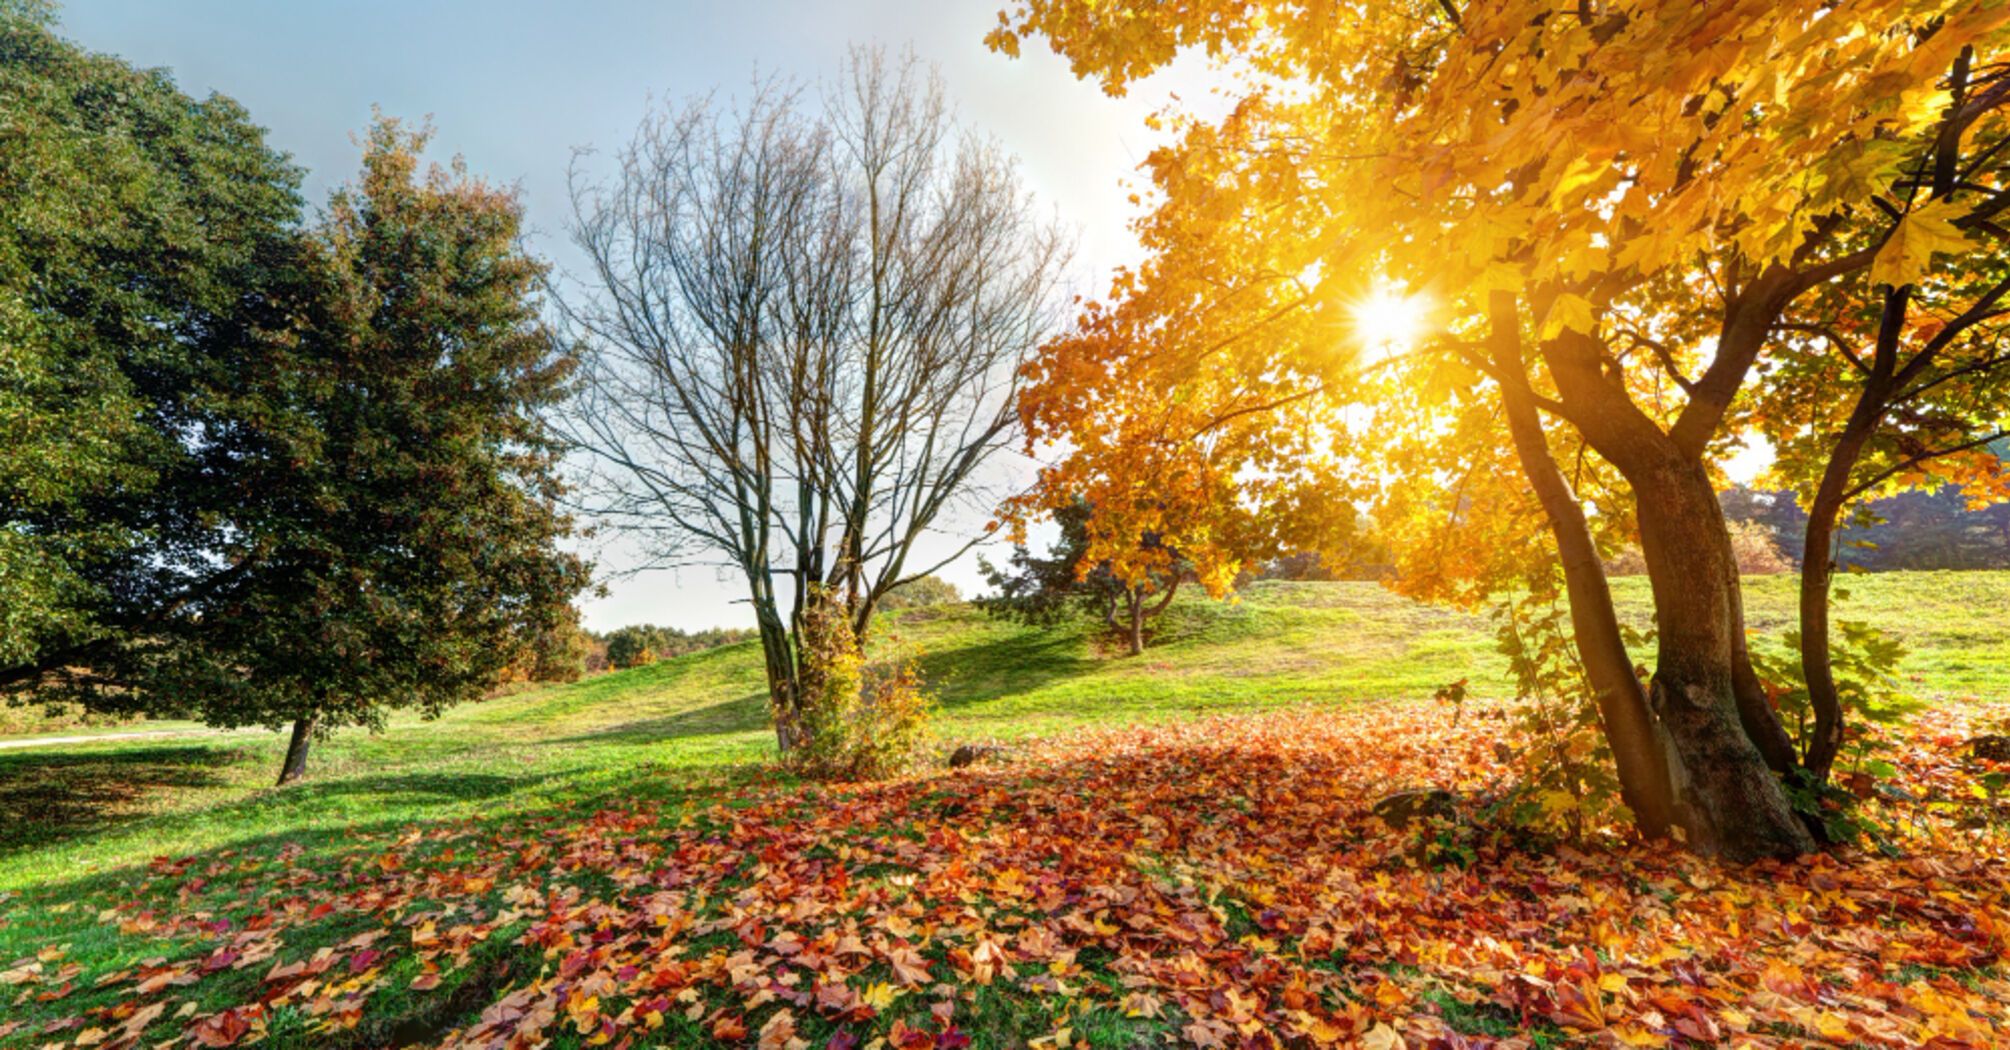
444,879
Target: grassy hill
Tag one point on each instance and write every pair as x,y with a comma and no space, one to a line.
189,826
700,719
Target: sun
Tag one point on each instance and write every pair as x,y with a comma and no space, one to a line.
1390,318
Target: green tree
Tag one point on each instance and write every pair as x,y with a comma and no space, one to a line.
140,231
1042,590
400,530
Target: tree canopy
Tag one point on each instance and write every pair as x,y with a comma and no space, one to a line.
1613,214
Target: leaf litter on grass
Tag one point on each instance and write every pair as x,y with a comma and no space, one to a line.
1214,883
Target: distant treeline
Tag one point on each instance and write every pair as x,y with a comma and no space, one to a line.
1912,530
644,643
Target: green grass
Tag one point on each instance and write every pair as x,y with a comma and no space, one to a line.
78,822
700,719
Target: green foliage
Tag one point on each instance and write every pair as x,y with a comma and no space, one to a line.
921,593
1866,660
852,722
1566,776
639,644
394,541
141,237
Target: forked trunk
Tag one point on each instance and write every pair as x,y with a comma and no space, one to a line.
1729,798
1622,702
295,765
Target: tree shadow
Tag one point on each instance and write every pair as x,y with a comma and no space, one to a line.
738,715
1000,668
51,796
422,786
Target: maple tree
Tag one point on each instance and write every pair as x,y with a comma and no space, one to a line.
1618,210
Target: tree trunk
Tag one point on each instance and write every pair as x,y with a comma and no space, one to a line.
295,765
1137,625
1730,800
784,686
1622,702
1817,573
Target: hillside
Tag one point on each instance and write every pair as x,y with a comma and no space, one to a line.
461,821
686,721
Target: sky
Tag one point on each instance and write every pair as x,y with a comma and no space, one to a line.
515,87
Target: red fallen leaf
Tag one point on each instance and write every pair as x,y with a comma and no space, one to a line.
952,1038
901,1037
364,959
842,1039
219,959
729,1028
220,1029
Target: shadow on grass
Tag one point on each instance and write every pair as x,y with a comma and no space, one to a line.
419,787
48,797
995,669
727,716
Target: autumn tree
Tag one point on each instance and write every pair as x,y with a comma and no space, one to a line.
1042,590
1567,186
802,333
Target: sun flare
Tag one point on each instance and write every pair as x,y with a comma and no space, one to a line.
1390,319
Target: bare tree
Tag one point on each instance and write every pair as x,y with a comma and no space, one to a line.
802,336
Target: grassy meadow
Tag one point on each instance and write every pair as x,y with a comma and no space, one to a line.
85,826
666,728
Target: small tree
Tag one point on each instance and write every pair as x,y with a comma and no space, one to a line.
922,592
1042,590
629,647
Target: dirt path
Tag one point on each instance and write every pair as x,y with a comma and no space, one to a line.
92,738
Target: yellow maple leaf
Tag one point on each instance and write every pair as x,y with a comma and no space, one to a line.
1568,311
1920,234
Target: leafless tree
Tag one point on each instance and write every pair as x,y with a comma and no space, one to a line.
802,335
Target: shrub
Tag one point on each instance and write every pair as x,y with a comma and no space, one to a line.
1757,550
629,647
917,593
1752,542
853,722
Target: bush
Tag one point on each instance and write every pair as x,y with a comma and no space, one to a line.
1752,542
1758,551
853,722
629,647
926,591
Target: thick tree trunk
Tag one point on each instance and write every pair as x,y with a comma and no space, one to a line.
1622,702
1731,802
295,765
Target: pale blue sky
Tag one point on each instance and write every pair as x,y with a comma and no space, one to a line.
514,86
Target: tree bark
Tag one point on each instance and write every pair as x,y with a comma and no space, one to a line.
295,765
1818,572
1136,631
1622,702
1731,802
